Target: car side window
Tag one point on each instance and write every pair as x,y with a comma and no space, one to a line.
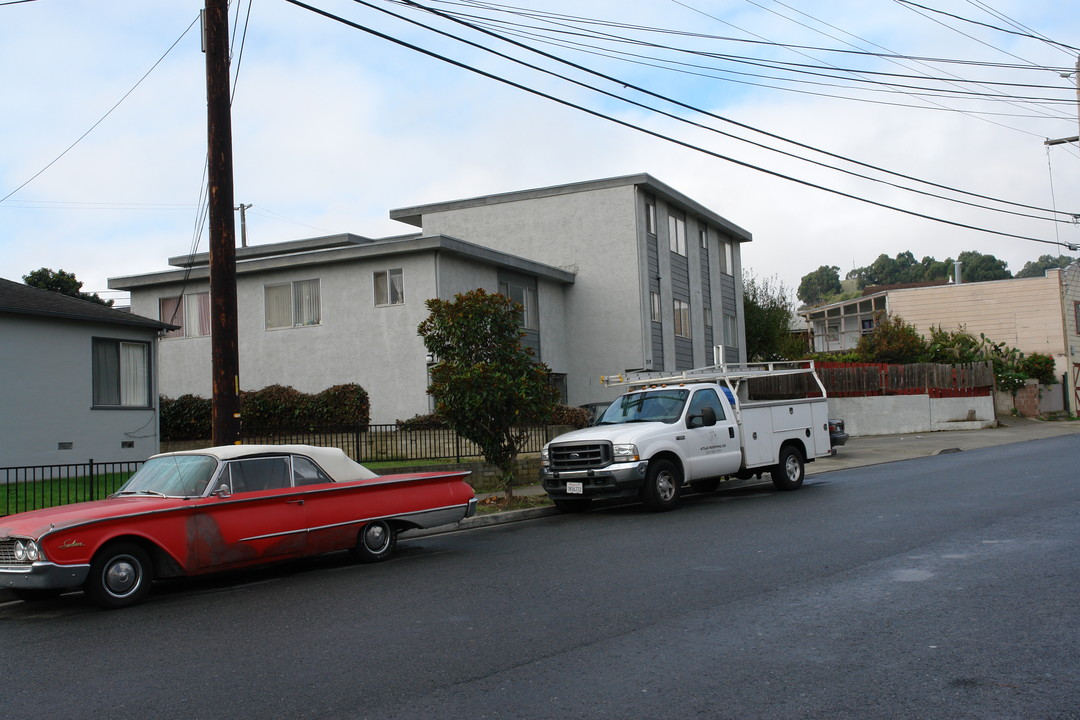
305,472
707,398
259,474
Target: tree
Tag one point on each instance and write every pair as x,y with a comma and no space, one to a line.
1038,268
819,284
892,341
62,282
487,386
768,314
978,267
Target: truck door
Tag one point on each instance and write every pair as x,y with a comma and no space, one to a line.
711,450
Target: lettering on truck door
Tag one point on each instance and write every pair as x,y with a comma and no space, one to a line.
711,450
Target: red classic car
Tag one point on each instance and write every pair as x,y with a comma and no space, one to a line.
201,511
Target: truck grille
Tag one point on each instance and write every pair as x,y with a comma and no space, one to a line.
586,456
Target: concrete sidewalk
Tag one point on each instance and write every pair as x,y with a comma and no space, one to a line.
859,452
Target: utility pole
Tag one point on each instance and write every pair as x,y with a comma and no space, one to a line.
223,326
243,223
1075,138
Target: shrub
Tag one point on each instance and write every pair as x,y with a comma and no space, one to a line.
188,417
892,341
1039,366
430,421
576,417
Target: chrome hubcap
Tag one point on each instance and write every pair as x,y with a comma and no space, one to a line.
122,576
665,488
375,537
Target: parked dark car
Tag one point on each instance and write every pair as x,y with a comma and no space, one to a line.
837,436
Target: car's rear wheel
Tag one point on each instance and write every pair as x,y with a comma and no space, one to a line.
789,472
120,576
376,542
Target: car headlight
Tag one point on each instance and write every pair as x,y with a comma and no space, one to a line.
625,452
27,551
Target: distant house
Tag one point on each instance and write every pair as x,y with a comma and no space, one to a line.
615,274
79,380
1030,314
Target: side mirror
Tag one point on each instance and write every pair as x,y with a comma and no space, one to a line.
223,491
707,418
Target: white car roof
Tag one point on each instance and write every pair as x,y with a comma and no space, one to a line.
333,460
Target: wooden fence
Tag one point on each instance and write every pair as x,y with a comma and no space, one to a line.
937,381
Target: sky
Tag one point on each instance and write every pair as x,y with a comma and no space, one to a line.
103,122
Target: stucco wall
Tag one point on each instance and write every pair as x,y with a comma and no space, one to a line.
50,399
898,414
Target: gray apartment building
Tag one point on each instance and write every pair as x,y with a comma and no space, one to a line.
617,274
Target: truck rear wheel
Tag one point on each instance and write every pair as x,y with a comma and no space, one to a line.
788,474
663,483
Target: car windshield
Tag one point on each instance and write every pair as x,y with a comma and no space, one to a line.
173,476
664,406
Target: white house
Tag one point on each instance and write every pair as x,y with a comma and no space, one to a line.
79,380
615,274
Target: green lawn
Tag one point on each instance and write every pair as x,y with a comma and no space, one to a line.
22,496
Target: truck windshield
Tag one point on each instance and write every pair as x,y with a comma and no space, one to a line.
172,475
664,406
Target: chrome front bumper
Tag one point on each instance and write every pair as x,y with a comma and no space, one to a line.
42,576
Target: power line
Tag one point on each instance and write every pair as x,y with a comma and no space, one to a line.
595,113
102,118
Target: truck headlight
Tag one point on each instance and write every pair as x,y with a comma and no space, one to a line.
545,457
625,452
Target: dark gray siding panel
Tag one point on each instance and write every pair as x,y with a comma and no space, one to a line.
684,353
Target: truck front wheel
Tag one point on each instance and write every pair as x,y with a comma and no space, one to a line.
662,485
789,472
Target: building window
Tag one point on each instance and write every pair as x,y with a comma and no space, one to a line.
706,315
677,235
121,373
1076,316
294,304
654,306
703,237
650,216
191,312
682,318
525,296
731,331
389,287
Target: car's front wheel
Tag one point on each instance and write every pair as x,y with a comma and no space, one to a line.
120,576
663,482
376,542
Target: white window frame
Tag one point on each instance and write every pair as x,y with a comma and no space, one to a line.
681,314
677,234
529,318
302,303
388,293
120,373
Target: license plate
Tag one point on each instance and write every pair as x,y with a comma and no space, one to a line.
574,488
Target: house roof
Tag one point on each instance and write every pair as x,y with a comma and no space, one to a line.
19,299
346,248
414,215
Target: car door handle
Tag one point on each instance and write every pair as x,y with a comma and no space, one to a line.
298,501
731,432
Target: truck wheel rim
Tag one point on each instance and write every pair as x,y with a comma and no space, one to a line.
665,487
792,466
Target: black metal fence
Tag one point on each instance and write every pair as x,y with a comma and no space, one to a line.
30,488
378,443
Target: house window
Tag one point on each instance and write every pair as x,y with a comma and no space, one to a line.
389,287
294,304
731,331
650,216
682,318
121,373
654,306
191,312
677,235
525,296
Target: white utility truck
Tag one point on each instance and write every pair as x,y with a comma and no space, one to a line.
698,427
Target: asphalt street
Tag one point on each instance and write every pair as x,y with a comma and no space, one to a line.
942,586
